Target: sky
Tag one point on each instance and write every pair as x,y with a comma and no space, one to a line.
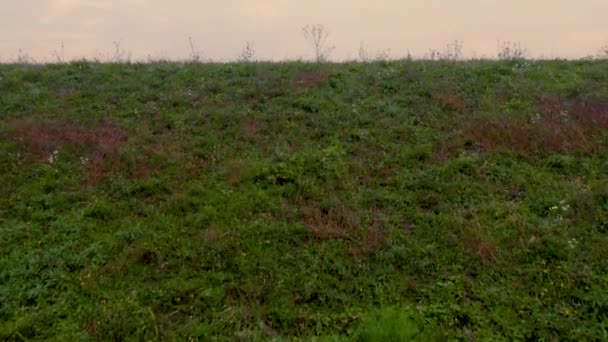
219,29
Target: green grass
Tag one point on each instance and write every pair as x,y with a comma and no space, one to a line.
293,201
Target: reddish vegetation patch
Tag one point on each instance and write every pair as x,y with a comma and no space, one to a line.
211,235
312,79
558,127
234,173
373,239
115,268
484,249
251,129
375,174
441,156
92,328
42,138
141,255
340,223
336,223
103,148
450,101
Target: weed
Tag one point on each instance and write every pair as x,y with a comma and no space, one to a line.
450,101
196,55
453,52
102,150
603,52
335,223
557,127
312,79
511,51
247,54
120,55
317,36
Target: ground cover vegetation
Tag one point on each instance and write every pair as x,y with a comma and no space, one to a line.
388,200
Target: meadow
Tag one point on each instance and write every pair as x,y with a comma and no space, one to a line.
380,201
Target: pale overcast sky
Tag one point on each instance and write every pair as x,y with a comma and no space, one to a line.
220,28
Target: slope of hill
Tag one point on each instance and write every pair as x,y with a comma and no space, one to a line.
285,201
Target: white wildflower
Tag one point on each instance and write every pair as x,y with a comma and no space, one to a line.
535,118
18,157
84,160
53,157
558,210
573,243
563,115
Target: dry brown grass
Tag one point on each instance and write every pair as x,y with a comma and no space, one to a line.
341,223
312,79
372,240
337,223
251,129
450,101
559,127
104,147
211,235
477,246
234,172
43,137
92,328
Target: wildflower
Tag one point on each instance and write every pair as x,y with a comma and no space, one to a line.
563,115
562,206
84,160
53,157
535,118
16,157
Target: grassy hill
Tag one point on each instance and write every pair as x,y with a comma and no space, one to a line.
286,201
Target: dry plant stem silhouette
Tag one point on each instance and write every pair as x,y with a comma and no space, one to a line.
317,36
603,52
383,55
247,54
120,55
24,58
511,50
366,56
453,52
195,53
59,55
363,53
